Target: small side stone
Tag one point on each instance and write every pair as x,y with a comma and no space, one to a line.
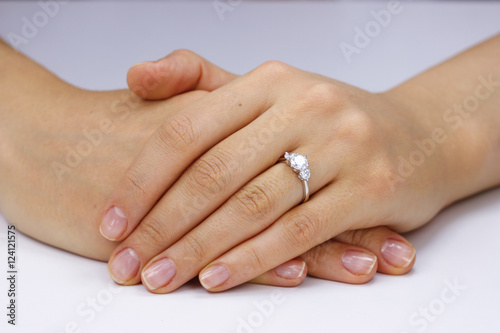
305,174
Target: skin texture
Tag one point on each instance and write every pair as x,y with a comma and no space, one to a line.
54,188
226,208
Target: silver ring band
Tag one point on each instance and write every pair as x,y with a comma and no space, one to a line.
306,191
300,165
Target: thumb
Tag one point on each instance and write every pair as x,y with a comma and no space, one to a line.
178,72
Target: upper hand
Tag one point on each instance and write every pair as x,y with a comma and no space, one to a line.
345,128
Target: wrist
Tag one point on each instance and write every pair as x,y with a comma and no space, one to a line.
429,152
463,127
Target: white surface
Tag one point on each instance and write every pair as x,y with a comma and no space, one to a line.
93,44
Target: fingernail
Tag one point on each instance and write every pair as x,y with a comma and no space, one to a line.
397,253
114,223
214,276
357,262
140,64
292,269
159,274
124,265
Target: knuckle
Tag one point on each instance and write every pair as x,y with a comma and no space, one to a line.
359,129
152,231
195,251
369,238
323,95
302,229
212,173
255,200
353,237
135,182
178,133
317,256
275,70
254,258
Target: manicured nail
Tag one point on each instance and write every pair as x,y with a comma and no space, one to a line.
357,262
397,253
292,269
114,223
159,273
214,276
124,265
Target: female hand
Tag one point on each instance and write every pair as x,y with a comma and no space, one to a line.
376,159
337,259
259,191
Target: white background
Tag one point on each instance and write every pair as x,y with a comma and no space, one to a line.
93,44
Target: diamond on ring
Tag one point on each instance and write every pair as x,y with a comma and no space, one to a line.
299,164
305,174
